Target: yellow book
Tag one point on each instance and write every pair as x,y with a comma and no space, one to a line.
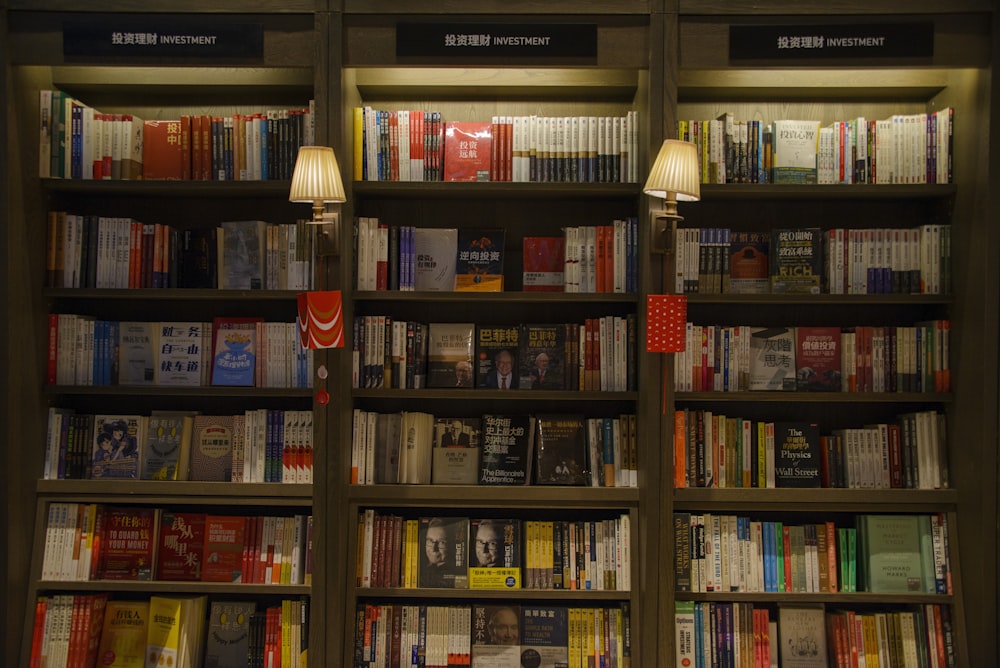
574,638
359,144
286,632
588,619
163,632
547,555
124,634
286,553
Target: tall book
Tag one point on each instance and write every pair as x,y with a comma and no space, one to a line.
166,452
495,557
479,264
772,358
507,450
496,635
175,634
545,636
181,552
123,637
443,561
416,447
449,354
242,248
543,264
456,451
561,450
180,353
802,631
467,148
137,353
234,351
212,448
496,357
223,550
436,250
542,357
796,454
818,359
118,440
228,640
796,144
749,253
896,553
796,261
162,157
128,542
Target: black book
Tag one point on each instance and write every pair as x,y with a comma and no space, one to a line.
507,442
561,450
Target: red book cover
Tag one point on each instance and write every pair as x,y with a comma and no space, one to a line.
467,148
248,542
224,536
162,150
544,264
135,255
186,147
182,545
817,358
895,457
786,547
508,148
128,543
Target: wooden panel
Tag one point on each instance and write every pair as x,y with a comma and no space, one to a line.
499,7
175,7
824,8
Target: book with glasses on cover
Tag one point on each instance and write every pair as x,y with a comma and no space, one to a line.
496,635
495,554
542,357
443,546
456,451
479,263
496,357
449,354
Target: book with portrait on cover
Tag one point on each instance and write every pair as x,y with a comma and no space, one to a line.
443,552
456,451
449,354
496,357
495,554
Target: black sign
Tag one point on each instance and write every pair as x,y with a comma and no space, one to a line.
163,38
801,42
492,40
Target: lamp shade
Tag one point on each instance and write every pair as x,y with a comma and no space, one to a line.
675,171
316,177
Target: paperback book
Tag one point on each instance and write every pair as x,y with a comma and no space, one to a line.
818,359
166,453
796,454
748,263
543,264
449,354
181,546
772,358
436,251
496,357
802,630
242,248
128,543
467,148
212,448
123,637
496,635
507,449
541,357
456,451
796,261
228,640
495,557
234,351
117,443
479,264
443,562
544,636
796,144
561,450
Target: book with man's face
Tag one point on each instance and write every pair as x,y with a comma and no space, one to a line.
494,554
443,548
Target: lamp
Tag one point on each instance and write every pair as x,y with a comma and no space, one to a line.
316,180
674,177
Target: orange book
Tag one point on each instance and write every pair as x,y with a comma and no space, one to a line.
162,150
680,449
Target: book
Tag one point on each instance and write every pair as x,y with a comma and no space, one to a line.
118,440
198,259
234,351
772,358
162,157
467,147
166,451
416,447
456,451
749,253
796,144
128,542
495,557
175,634
895,553
802,636
545,636
496,357
212,448
685,640
818,359
242,247
137,353
496,635
223,549
796,454
180,554
228,640
436,251
506,449
449,354
124,633
541,357
796,261
179,353
479,263
561,450
544,264
443,562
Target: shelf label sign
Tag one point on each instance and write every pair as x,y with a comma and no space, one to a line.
154,38
806,42
496,40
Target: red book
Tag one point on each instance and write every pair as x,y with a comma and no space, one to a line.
162,150
467,147
544,262
182,545
38,632
786,544
186,142
818,359
248,542
91,627
224,536
128,543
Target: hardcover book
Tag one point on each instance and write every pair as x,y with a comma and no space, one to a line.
496,357
242,246
561,450
212,448
772,358
496,635
234,351
467,147
456,451
796,144
444,547
749,253
128,543
817,357
479,264
802,631
544,265
228,640
436,251
117,444
545,636
181,546
507,449
541,356
495,557
123,638
796,261
224,538
449,354
896,553
166,452
796,454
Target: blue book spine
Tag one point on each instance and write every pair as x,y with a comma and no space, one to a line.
264,171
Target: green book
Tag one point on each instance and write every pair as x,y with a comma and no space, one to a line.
779,553
893,554
852,558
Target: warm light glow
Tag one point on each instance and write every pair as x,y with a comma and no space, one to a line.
316,178
674,175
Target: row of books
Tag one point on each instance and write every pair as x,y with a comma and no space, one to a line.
464,553
96,541
79,142
89,629
597,355
836,261
486,635
414,145
863,358
550,449
259,445
715,450
238,351
901,149
89,251
749,634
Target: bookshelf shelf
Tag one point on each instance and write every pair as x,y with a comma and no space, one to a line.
816,397
498,297
179,492
446,496
541,596
431,190
171,189
814,501
190,392
853,599
171,294
164,587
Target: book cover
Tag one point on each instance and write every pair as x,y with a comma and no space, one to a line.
242,245
162,155
212,448
223,551
892,555
175,631
436,251
543,265
116,447
234,351
796,261
561,450
495,557
796,144
749,253
467,146
444,558
817,358
416,447
198,259
181,546
123,637
128,543
479,263
449,354
507,449
228,641
496,635
179,353
137,354
545,636
496,357
541,357
796,454
802,636
772,358
166,452
456,451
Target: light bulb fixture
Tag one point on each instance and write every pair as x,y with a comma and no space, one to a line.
674,177
316,180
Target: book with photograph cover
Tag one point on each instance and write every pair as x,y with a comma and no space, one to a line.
449,354
507,449
749,253
496,635
495,557
796,261
118,440
541,357
467,148
772,358
817,358
436,251
479,263
456,451
561,450
182,543
242,247
544,636
443,543
496,357
796,454
543,264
